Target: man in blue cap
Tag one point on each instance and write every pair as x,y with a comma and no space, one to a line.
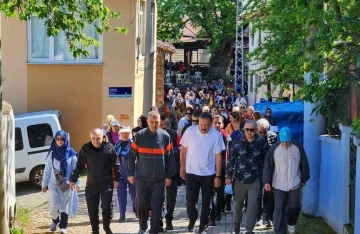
286,170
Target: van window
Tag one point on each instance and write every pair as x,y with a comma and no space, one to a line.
39,135
19,145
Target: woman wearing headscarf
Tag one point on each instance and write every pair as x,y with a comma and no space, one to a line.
122,149
60,162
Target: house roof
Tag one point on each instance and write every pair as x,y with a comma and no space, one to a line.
190,32
168,47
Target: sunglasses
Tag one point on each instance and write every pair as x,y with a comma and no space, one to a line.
60,139
268,112
250,129
262,133
188,113
195,121
242,107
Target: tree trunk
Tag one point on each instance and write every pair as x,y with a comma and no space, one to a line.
220,62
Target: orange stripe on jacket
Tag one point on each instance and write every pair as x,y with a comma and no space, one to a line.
151,151
169,146
135,146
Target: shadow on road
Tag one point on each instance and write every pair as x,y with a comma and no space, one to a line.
25,188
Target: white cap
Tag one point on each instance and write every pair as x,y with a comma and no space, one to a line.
125,129
114,122
274,129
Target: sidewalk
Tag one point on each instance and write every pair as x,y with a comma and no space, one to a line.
40,218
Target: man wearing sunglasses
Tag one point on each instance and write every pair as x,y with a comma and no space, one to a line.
185,120
194,121
247,154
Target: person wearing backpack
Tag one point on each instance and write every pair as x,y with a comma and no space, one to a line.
60,162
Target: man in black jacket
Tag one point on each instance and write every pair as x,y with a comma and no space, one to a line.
152,164
103,176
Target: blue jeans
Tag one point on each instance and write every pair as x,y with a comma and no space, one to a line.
122,192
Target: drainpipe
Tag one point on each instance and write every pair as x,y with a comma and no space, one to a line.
149,63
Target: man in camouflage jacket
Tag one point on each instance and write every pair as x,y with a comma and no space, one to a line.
245,165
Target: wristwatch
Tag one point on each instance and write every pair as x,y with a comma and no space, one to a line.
219,177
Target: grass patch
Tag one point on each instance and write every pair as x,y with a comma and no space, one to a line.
16,231
313,225
22,215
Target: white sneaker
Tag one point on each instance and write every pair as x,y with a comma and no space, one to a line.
53,227
291,229
63,231
259,223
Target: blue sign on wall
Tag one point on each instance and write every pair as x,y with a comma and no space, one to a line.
120,92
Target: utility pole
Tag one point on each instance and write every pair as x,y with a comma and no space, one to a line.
149,61
239,48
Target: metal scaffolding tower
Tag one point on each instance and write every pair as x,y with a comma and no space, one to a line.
239,75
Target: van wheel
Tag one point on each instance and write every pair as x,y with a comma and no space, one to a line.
37,176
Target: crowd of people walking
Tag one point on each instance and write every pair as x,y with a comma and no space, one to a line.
208,141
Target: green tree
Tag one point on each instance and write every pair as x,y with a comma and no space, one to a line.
70,16
216,18
302,36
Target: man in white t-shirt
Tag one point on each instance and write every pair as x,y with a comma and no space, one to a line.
201,164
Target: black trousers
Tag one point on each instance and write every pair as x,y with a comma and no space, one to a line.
152,192
269,204
287,209
93,196
193,185
220,199
171,194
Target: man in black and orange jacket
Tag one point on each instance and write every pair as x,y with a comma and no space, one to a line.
152,163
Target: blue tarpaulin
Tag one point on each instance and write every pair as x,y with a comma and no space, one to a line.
286,114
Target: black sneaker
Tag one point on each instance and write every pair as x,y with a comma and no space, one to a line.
211,222
218,217
108,231
191,225
169,226
237,228
161,229
228,208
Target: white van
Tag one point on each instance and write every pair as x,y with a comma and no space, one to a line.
33,135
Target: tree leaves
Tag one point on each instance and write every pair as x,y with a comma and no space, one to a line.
215,17
306,36
70,16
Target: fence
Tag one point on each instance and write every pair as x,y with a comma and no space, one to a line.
345,106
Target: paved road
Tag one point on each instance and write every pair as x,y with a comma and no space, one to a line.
30,197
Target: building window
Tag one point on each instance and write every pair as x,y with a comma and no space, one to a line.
39,135
140,28
253,40
44,49
259,37
251,83
152,30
